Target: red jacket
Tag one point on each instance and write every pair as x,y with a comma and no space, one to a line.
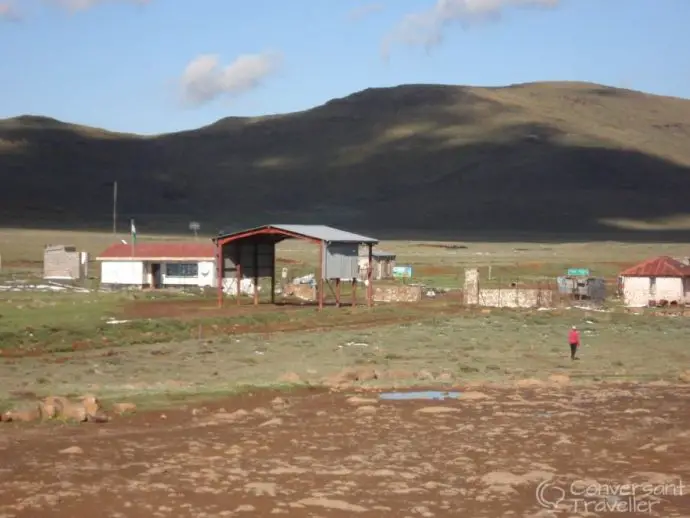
574,337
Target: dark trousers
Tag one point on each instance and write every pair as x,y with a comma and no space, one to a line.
573,350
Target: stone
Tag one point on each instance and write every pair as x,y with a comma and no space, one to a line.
124,408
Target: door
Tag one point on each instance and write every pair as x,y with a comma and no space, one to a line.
156,275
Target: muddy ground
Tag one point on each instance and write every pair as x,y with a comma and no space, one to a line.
322,454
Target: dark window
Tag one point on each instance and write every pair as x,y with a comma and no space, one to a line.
182,270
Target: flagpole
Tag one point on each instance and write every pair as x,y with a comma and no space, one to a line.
132,237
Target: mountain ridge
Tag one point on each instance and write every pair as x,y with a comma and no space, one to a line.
426,158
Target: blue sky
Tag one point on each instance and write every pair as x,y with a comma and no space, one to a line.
139,66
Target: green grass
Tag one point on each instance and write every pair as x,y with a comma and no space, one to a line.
499,346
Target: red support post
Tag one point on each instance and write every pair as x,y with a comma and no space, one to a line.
256,274
320,279
220,271
370,288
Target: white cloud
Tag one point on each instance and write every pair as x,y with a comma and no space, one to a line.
82,5
426,28
9,12
204,79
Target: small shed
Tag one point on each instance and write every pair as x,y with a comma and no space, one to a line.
382,265
64,262
659,281
582,288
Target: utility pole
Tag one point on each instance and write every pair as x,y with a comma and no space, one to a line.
115,208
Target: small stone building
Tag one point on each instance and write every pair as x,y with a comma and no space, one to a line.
382,265
659,281
64,262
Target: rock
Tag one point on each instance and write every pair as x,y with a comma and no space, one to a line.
25,414
425,375
231,416
367,374
560,380
474,396
92,405
684,376
356,400
349,375
276,421
446,377
366,410
52,406
124,408
397,375
529,383
290,377
72,450
279,402
437,410
331,504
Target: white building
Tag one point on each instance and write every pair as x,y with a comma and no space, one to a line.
158,265
654,282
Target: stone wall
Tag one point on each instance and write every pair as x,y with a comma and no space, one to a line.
515,298
397,293
300,291
504,297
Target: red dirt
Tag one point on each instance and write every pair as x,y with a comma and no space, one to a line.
321,456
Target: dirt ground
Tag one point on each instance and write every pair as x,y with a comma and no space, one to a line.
494,452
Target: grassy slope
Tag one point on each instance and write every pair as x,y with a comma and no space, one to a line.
541,157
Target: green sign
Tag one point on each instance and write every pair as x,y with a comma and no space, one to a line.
402,272
578,272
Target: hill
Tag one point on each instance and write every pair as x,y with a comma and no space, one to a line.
533,158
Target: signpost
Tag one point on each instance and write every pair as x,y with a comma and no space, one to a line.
578,272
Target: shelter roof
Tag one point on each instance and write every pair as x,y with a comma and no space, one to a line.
315,232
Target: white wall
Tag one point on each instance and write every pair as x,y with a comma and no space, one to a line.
204,267
122,272
638,291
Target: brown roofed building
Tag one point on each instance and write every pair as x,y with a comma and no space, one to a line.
659,281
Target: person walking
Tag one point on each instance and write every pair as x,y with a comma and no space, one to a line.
574,341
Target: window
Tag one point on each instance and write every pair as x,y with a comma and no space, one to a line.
182,270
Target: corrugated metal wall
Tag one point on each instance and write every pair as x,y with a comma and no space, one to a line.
340,261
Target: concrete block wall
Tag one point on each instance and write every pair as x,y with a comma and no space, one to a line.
503,297
300,291
397,293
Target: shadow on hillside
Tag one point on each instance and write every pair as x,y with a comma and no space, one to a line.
521,184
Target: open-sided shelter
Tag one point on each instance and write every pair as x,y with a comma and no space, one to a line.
251,254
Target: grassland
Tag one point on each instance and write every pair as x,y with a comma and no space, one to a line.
166,345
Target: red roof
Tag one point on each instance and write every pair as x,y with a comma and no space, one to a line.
160,250
660,267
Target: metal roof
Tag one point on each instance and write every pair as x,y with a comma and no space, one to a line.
658,267
318,232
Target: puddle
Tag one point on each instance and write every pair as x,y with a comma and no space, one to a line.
428,394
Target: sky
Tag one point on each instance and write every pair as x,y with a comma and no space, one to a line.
153,66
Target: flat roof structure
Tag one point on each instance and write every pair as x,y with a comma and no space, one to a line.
251,253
